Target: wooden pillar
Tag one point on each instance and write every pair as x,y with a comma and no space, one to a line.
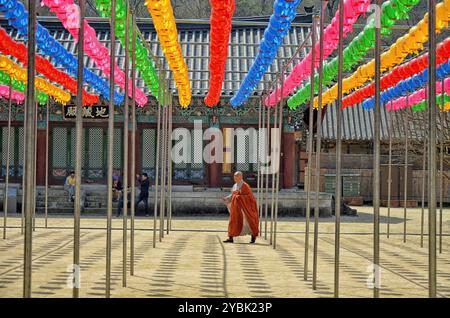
289,160
40,156
214,175
214,168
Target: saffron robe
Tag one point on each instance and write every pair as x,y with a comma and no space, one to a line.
244,217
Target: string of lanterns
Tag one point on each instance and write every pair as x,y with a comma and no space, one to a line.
164,22
408,85
17,17
352,10
391,12
279,24
221,14
410,43
423,104
10,47
399,73
19,73
19,86
16,96
143,63
67,14
419,96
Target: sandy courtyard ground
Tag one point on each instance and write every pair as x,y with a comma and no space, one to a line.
192,261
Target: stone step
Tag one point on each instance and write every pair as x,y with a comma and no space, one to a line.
66,204
55,204
56,210
92,198
98,204
102,211
97,193
97,211
53,199
52,192
92,204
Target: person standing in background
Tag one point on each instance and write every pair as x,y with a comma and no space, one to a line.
143,195
69,185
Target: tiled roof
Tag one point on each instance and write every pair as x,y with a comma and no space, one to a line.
358,123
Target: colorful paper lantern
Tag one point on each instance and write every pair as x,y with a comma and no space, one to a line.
143,63
164,22
399,73
284,12
352,10
10,47
17,17
20,74
92,46
221,14
357,48
16,96
411,43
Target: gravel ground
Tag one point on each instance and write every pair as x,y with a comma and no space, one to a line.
192,261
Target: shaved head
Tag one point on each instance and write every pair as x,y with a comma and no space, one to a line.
238,176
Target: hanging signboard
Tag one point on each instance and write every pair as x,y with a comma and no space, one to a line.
89,112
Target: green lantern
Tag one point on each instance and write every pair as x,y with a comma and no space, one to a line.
392,11
143,63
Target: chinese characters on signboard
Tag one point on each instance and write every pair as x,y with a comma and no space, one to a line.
91,112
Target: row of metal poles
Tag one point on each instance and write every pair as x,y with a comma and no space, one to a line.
163,172
406,115
273,141
270,141
263,177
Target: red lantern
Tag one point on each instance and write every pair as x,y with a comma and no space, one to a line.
10,47
221,13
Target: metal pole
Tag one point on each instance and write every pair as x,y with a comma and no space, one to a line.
376,157
260,107
34,165
155,210
125,151
338,184
47,132
167,163
110,150
24,158
133,140
390,185
8,148
432,147
441,167
318,146
278,165
30,111
273,173
79,150
405,188
266,208
310,146
163,167
263,121
166,156
169,225
424,178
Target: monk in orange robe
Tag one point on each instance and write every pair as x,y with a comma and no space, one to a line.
241,203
